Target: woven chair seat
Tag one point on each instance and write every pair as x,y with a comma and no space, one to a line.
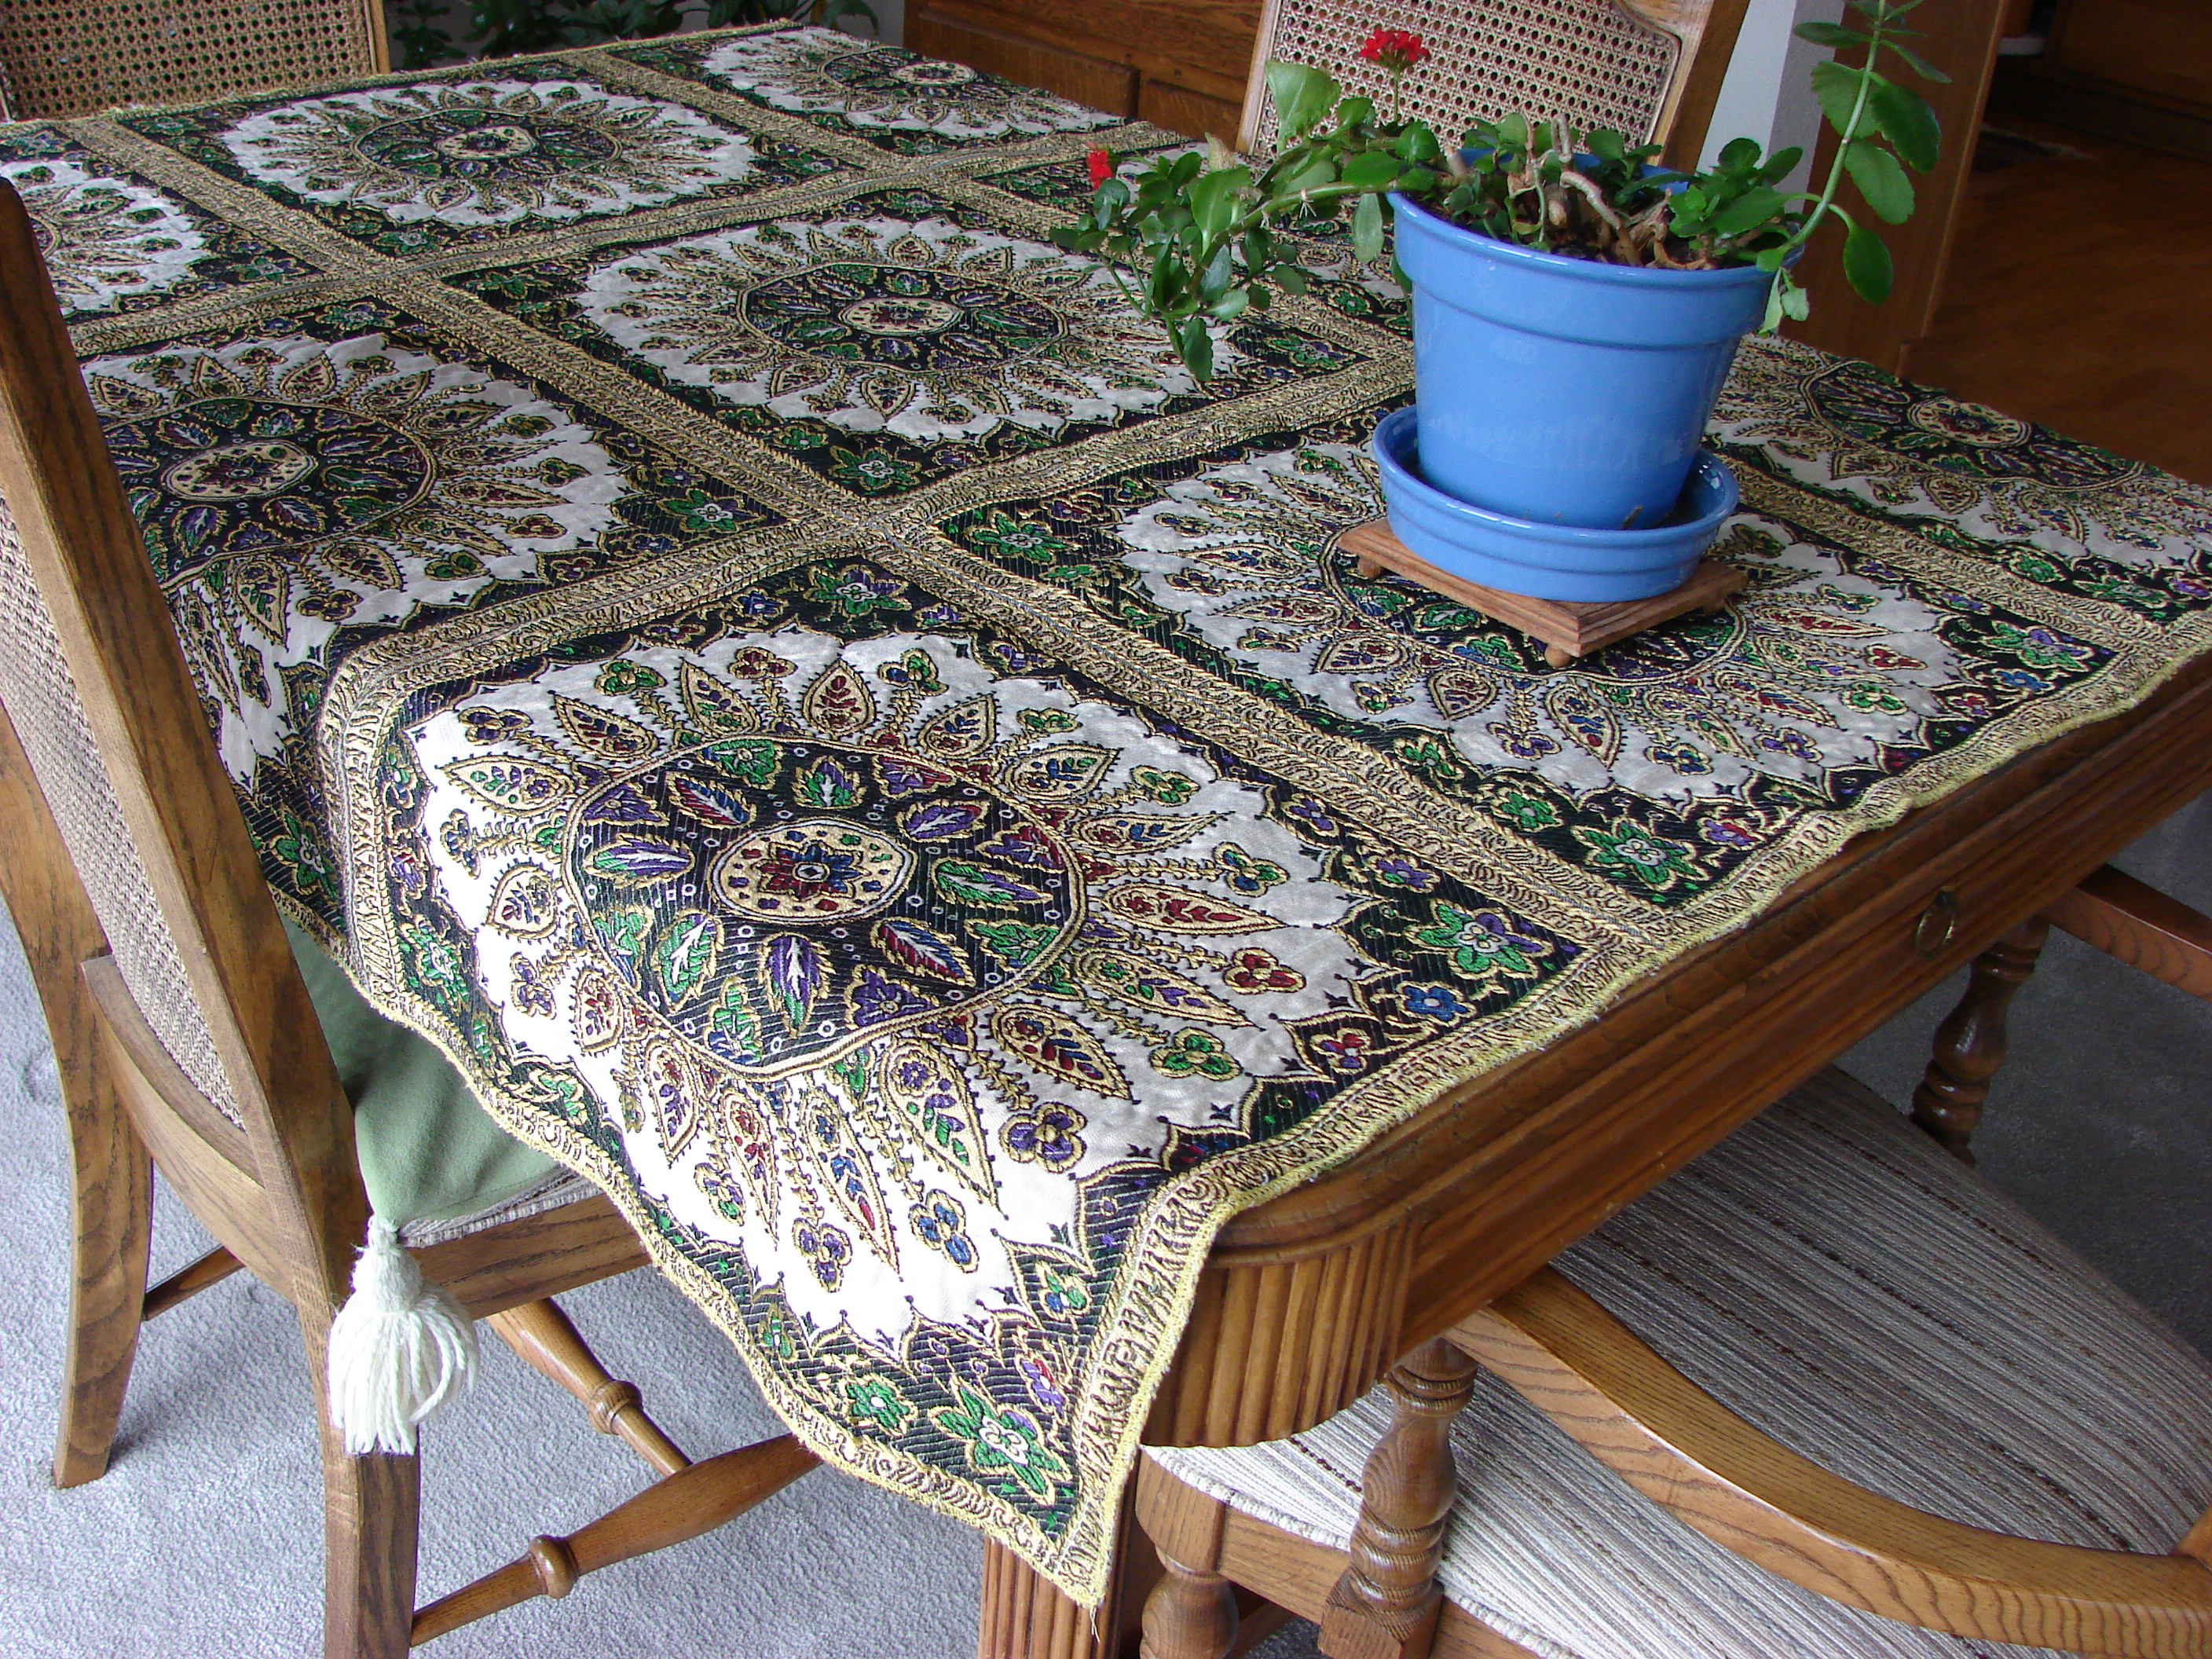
1834,1277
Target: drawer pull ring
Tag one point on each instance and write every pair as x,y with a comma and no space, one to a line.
1938,924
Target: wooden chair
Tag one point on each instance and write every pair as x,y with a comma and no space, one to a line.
1822,1392
185,1034
2111,910
80,57
1651,69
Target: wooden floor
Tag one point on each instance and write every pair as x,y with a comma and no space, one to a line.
2080,295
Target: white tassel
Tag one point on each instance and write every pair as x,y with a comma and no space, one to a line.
399,1349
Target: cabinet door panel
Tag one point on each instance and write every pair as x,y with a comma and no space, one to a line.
2162,46
1093,81
1204,45
1180,110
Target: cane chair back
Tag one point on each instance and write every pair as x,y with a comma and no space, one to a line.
187,1038
79,56
1651,69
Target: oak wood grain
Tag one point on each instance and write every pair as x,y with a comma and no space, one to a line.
2139,926
1970,1043
1386,1604
1960,39
1573,628
282,1196
693,1500
541,1336
1199,46
111,1186
190,1280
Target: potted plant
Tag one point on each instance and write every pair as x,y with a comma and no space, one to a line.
1576,305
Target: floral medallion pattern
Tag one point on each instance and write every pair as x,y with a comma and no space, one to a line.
911,105
786,880
891,341
1840,424
114,242
410,167
1659,764
1816,668
297,484
898,968
784,677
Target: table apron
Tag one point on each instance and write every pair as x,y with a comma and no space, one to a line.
1282,1338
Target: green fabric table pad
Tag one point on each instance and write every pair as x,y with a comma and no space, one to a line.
428,1150
776,672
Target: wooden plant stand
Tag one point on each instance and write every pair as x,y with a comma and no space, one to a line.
1569,627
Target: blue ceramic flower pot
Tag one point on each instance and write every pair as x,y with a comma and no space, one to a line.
1560,389
1549,561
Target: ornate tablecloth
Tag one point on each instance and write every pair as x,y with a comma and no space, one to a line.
778,672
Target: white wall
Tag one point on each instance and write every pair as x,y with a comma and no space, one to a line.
1768,94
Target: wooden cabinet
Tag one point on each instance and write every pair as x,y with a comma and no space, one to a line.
1181,64
2161,48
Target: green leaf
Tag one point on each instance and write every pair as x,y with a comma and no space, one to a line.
1352,112
1781,164
1214,199
1908,123
1195,346
1921,66
1367,228
1786,299
1773,319
1291,279
1879,180
1214,281
1418,143
1301,95
1737,153
1311,172
1232,303
1372,169
1753,208
1866,262
1829,34
1837,86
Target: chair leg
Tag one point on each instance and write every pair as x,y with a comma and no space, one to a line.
1970,1044
110,1225
1385,1605
540,1334
372,1513
1191,1612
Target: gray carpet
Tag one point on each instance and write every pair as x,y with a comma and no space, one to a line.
202,1538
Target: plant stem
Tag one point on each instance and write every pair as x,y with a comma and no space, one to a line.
1827,198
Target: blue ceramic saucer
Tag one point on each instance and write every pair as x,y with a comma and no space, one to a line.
1548,561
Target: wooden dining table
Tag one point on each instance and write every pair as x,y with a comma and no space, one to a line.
772,666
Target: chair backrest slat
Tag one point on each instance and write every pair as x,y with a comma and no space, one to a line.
80,56
121,666
1651,69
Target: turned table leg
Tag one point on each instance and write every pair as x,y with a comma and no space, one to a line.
1386,1604
1970,1044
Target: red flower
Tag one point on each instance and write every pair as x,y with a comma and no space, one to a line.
1102,167
1396,49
